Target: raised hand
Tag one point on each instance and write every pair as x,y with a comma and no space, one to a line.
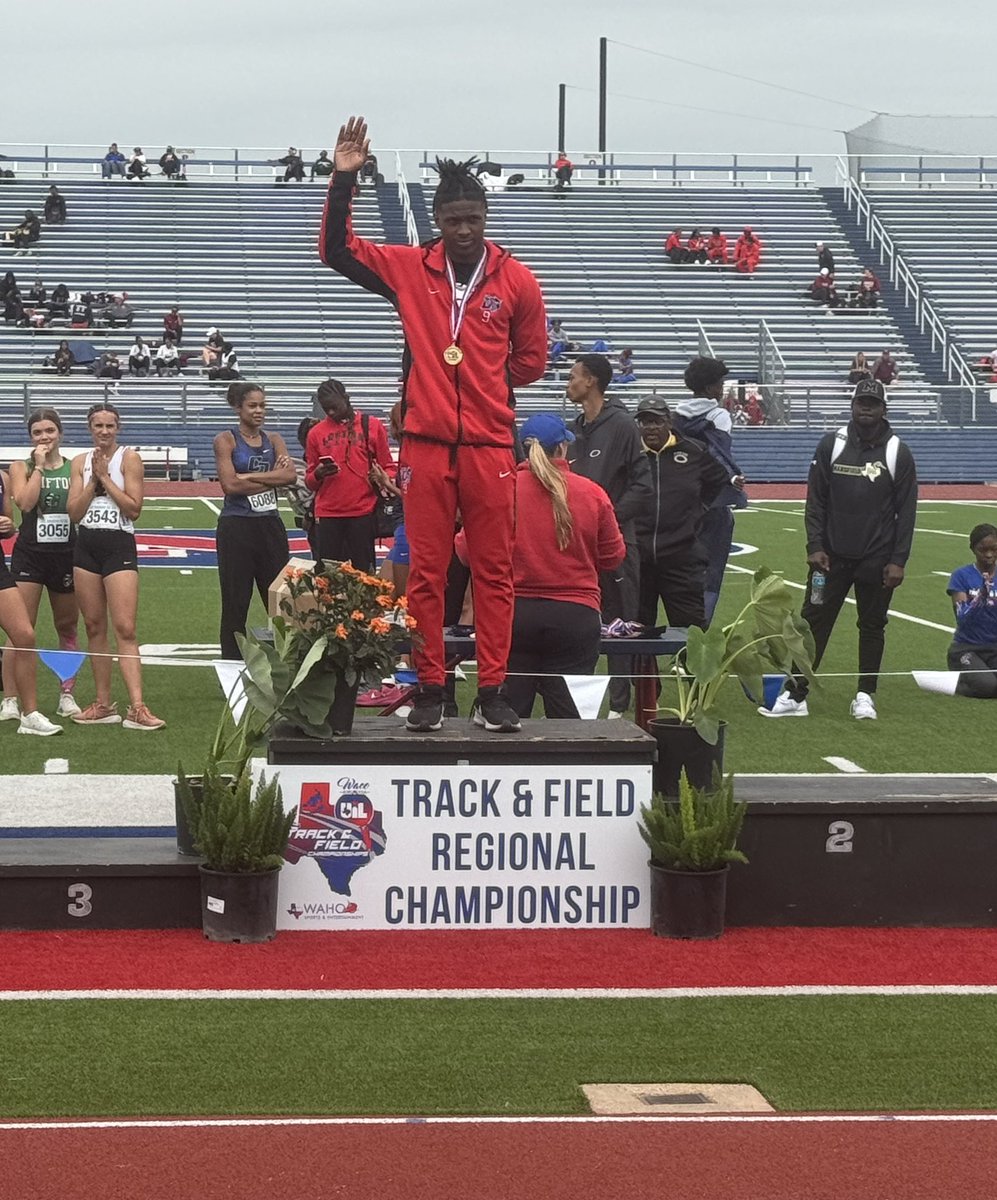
352,145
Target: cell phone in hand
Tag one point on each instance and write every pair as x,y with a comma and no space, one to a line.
331,463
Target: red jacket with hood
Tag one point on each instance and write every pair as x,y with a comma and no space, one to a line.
504,335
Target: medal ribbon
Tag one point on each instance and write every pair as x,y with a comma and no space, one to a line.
459,310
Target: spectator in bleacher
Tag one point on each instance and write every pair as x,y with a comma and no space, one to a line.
55,207
227,367
212,348
106,492
113,162
859,369
607,449
170,164
58,305
973,651
859,516
686,480
369,172
119,312
625,372
251,538
674,249
705,419
108,366
558,342
866,293
886,370
293,164
322,166
824,258
139,359
37,295
173,325
63,360
137,168
8,284
24,234
167,358
716,248
747,252
80,312
13,308
823,290
695,248
754,414
564,168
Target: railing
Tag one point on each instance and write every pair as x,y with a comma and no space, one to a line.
901,275
411,230
771,373
705,346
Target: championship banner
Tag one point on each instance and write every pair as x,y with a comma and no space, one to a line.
487,847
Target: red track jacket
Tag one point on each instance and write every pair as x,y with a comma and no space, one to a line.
504,335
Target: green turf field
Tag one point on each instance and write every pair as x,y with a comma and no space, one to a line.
915,732
128,1057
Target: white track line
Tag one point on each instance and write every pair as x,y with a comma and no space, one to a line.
211,504
539,993
663,1119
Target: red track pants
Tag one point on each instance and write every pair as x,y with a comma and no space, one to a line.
480,481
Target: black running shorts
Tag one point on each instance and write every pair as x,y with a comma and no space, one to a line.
105,551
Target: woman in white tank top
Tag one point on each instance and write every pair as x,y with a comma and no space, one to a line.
106,491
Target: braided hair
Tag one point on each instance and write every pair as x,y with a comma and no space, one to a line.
458,181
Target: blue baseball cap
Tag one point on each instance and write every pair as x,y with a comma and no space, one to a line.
548,429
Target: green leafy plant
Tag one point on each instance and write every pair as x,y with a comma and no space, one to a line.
768,635
338,623
697,832
234,830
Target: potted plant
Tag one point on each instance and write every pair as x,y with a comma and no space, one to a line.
768,635
338,626
241,836
692,841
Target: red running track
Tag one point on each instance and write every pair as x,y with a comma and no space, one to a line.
498,959
564,1160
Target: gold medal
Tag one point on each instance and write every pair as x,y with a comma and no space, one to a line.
453,355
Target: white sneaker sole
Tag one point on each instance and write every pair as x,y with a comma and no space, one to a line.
423,726
114,720
778,716
142,728
40,732
489,727
865,716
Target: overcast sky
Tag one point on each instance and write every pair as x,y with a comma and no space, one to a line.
453,74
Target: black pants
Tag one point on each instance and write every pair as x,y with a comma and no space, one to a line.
251,550
550,637
342,539
716,533
678,582
980,664
872,601
678,255
620,589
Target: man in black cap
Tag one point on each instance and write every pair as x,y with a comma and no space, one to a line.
704,418
860,511
686,480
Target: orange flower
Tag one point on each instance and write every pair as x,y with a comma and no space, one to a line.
321,583
357,615
379,627
341,631
402,602
293,573
385,602
348,568
411,623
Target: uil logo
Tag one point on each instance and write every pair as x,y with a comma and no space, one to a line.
872,471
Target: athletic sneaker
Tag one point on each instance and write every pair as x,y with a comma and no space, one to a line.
139,717
613,715
786,706
492,711
68,706
38,724
378,697
10,710
99,714
862,708
427,710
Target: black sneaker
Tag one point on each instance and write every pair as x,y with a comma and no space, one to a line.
494,712
427,711
450,708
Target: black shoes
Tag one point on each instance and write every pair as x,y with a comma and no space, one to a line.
493,712
427,711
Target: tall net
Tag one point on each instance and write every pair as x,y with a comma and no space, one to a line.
924,149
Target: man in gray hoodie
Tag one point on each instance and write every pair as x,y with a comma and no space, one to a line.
607,449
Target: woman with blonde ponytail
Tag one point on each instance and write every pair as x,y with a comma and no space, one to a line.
566,533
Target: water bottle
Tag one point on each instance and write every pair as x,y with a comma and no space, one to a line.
818,580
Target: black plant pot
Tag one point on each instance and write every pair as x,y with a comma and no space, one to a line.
239,907
681,746
185,835
688,904
344,706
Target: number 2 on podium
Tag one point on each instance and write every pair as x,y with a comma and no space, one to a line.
839,837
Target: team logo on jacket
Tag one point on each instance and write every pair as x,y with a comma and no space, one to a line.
490,304
869,470
681,457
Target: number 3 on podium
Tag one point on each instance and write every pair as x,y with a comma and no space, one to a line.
80,894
